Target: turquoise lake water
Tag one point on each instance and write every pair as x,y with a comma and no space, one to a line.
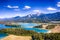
2,35
37,30
26,26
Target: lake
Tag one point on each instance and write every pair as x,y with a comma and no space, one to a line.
2,35
26,26
38,30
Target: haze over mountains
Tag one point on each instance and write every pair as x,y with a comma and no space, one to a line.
34,18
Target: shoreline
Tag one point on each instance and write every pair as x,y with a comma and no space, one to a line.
14,37
49,31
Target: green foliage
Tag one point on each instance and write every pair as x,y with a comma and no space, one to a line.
34,35
14,25
52,36
17,31
37,37
40,26
50,26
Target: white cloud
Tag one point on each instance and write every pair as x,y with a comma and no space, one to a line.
58,4
26,7
9,6
50,8
37,11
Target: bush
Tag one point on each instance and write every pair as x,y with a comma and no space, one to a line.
50,26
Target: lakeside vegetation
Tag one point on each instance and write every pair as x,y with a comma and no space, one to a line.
17,31
13,25
34,35
39,26
47,27
51,26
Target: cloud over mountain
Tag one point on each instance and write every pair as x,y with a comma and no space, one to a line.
51,9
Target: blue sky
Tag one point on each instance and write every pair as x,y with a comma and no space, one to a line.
11,8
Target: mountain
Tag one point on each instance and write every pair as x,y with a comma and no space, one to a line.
35,18
44,17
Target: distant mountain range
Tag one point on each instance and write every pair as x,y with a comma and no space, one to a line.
34,18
